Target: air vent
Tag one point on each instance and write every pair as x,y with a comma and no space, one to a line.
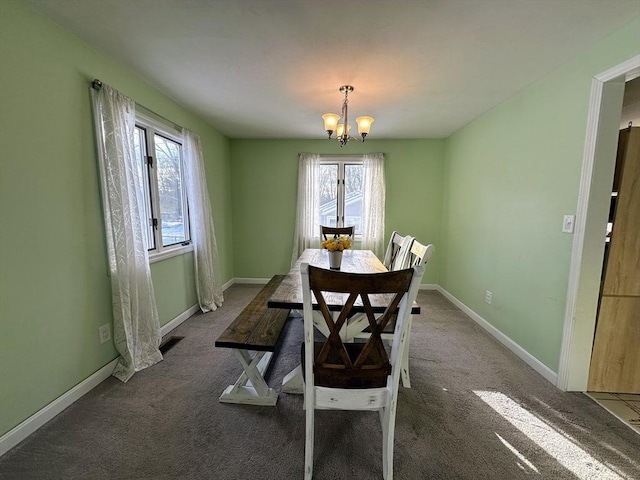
168,344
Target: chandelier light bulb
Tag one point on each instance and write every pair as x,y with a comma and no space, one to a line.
364,125
340,130
330,122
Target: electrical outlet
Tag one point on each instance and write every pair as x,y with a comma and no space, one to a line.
487,297
105,333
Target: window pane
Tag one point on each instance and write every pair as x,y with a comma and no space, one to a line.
170,191
328,194
353,197
140,144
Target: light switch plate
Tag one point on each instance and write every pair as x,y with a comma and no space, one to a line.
568,223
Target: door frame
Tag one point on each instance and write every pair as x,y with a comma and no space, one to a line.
594,197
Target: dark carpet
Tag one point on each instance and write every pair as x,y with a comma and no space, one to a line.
475,411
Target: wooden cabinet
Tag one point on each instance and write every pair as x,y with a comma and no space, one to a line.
615,362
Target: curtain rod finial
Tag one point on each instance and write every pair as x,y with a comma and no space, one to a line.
97,84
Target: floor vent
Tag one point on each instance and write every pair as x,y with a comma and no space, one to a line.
169,343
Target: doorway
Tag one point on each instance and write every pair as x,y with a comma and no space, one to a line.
592,212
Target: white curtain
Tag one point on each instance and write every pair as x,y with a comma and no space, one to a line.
136,327
373,198
307,229
201,221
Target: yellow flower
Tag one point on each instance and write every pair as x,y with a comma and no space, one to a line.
337,244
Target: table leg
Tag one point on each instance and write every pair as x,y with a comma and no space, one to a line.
293,382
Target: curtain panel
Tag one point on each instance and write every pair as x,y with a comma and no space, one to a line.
136,326
209,291
307,226
373,203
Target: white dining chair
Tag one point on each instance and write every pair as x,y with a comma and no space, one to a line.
416,254
355,376
396,251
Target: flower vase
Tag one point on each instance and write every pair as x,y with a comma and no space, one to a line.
335,260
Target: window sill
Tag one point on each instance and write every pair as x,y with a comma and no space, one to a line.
169,253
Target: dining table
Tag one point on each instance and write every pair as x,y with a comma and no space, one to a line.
289,295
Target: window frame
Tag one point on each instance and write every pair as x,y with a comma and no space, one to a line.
342,161
152,127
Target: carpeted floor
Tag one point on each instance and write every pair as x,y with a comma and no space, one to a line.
475,411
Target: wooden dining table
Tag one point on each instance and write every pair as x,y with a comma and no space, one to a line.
289,295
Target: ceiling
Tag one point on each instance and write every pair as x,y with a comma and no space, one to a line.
271,68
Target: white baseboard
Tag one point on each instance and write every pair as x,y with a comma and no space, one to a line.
171,324
529,359
42,416
252,281
428,286
38,419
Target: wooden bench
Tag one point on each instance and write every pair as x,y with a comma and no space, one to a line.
257,329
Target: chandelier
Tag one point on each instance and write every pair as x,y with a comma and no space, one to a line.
342,134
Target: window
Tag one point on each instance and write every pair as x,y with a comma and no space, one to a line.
341,192
158,149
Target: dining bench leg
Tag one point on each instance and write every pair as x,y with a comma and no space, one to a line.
250,388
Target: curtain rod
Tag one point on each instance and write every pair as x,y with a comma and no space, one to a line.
97,85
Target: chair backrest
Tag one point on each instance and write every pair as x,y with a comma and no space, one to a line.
392,249
396,257
419,254
335,231
333,363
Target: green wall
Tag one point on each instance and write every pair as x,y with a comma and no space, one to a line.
510,177
54,287
264,184
491,199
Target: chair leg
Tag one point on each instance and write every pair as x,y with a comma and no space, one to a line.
388,431
385,438
308,446
404,370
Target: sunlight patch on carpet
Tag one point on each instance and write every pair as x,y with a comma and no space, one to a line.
567,453
521,457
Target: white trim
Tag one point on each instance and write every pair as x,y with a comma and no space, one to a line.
529,359
630,69
171,324
169,252
42,416
578,237
252,281
429,286
566,377
38,419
